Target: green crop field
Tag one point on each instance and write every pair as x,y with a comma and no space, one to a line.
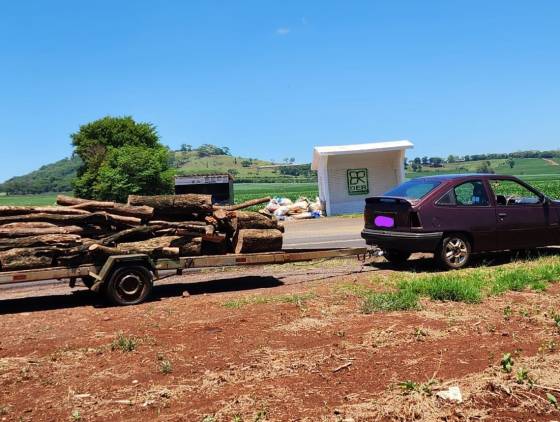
245,191
242,192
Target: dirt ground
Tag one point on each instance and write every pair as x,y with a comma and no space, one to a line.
282,343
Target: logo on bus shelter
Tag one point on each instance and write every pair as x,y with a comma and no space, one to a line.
357,181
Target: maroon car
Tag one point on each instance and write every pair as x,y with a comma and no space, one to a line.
454,216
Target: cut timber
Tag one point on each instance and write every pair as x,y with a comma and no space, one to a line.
135,233
245,204
13,210
12,233
28,225
58,240
111,207
156,247
257,240
98,218
25,258
185,228
254,220
216,244
175,205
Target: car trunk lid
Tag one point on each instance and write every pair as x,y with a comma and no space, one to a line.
390,213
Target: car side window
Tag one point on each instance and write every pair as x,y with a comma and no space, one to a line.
510,192
447,199
471,193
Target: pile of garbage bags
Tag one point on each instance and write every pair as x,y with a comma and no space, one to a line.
285,209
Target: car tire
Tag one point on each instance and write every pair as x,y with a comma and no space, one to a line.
129,285
453,252
395,256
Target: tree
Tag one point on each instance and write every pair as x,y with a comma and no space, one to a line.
417,160
184,147
451,158
511,162
292,160
485,167
134,169
226,151
106,173
425,161
436,161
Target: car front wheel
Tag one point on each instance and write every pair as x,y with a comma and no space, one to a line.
453,252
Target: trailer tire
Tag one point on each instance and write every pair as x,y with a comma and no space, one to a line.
129,285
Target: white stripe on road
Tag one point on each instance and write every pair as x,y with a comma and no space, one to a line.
324,242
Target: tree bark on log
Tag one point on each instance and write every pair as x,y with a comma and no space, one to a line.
135,233
55,240
257,240
253,220
115,208
26,258
28,225
164,246
25,232
97,218
6,211
175,205
245,204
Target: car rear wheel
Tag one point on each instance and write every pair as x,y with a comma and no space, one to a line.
454,252
395,256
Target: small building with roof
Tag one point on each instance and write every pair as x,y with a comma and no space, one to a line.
347,174
220,186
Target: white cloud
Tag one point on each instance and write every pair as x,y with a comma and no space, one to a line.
283,31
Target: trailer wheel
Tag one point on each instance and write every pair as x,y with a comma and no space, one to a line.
129,285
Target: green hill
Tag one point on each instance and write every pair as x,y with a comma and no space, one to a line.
58,177
55,177
525,167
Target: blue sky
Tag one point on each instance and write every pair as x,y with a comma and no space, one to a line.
271,79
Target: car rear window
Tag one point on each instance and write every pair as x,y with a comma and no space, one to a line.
413,189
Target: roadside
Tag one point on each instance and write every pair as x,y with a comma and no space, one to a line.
285,342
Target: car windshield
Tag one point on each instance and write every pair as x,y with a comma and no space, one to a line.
413,189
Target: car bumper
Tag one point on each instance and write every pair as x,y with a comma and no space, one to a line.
403,241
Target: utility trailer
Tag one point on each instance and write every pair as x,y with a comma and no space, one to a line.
128,279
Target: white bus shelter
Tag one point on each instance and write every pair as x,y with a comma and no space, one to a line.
350,173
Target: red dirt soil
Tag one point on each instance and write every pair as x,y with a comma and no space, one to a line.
269,355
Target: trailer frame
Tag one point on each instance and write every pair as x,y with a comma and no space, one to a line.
101,277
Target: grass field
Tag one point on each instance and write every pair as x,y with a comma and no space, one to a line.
243,192
523,167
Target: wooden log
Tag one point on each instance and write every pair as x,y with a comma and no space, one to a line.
104,251
166,206
98,218
257,240
164,246
26,258
216,244
245,204
56,240
135,233
28,225
254,220
16,210
25,232
115,208
194,227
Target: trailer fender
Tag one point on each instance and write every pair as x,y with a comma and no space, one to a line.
118,261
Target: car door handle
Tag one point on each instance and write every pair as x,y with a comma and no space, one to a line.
502,215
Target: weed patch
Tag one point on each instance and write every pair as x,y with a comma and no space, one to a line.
401,300
297,299
124,343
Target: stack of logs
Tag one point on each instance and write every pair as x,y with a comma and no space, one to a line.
80,231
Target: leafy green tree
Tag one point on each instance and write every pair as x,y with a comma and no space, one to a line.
134,169
511,163
98,143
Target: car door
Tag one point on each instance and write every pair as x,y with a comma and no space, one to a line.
523,217
466,208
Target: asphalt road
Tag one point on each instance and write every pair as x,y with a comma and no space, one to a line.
331,232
